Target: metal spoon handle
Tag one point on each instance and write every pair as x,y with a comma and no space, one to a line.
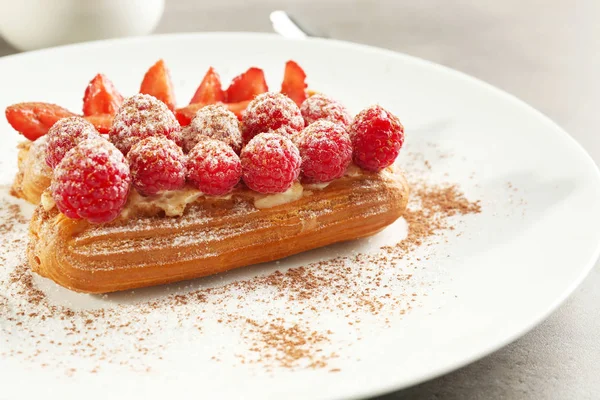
284,25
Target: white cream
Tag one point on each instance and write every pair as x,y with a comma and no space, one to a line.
173,203
272,200
316,186
353,171
47,201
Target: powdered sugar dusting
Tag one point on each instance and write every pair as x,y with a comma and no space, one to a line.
377,137
320,106
37,157
141,116
214,121
156,164
270,111
270,163
66,134
326,151
213,167
92,181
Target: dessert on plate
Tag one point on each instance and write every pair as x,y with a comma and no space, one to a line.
137,192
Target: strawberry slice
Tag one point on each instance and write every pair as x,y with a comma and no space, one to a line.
294,82
210,90
157,82
34,119
101,97
238,108
102,122
185,114
247,86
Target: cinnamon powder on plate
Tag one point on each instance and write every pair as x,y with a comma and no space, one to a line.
278,317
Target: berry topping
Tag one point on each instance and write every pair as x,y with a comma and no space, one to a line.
271,111
139,117
377,136
34,119
186,114
294,85
157,164
157,82
238,108
92,181
214,121
102,122
326,151
247,86
66,134
213,167
209,91
319,106
101,97
270,163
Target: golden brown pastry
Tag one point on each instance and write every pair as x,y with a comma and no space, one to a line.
144,247
33,176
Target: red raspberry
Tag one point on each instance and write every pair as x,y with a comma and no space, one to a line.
92,181
319,106
157,164
213,167
270,163
214,121
268,112
326,151
377,136
66,134
141,116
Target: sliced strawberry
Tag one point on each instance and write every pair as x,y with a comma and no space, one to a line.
34,119
101,97
157,82
185,114
102,122
294,82
238,108
210,90
247,86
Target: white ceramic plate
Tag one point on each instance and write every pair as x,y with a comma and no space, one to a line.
499,274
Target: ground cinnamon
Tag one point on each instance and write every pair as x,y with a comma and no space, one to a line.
272,314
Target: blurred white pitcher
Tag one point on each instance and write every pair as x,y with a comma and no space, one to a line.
35,24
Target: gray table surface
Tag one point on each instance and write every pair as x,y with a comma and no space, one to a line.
543,51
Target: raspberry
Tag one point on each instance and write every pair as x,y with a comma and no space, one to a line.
319,106
213,167
326,151
141,116
65,134
377,136
268,112
91,181
156,163
214,121
270,163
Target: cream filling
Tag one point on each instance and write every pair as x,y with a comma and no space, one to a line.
353,171
316,186
47,201
273,200
174,203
